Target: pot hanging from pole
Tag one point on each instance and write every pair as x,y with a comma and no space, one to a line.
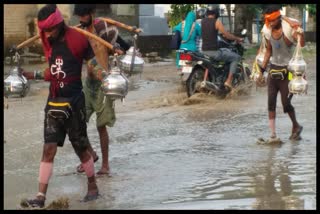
115,84
16,84
132,63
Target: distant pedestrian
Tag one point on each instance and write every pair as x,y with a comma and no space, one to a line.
281,33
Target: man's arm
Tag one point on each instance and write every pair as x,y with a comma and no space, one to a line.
89,53
220,27
299,32
267,55
37,75
296,28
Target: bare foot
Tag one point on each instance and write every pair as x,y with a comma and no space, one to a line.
93,192
102,172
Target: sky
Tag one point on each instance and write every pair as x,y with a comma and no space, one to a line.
160,9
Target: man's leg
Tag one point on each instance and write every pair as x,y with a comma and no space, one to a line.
77,131
288,108
104,143
88,166
89,111
92,153
272,123
228,82
105,117
233,59
52,135
45,172
272,103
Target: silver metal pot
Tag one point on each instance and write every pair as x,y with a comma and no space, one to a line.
260,58
297,66
16,84
132,57
298,85
115,84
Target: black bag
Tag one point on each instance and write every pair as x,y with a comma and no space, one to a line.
176,40
60,108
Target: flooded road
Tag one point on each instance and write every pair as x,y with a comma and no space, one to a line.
170,152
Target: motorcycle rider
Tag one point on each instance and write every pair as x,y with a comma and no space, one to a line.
210,26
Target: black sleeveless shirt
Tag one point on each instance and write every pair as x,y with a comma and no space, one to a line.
65,64
209,34
66,70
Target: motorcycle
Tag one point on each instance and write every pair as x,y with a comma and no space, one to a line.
209,75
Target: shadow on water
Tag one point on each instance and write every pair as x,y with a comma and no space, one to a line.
264,184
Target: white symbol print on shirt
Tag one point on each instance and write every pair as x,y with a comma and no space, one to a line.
56,70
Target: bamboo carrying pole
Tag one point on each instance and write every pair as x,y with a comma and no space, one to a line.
34,38
94,40
111,21
93,36
99,50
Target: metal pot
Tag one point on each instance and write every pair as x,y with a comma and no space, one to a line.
126,62
297,66
16,83
115,84
260,58
298,85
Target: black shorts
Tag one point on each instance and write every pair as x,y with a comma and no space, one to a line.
55,130
275,86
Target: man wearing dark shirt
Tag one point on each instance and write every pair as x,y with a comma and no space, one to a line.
210,26
65,50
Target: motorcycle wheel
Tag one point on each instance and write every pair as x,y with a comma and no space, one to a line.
194,80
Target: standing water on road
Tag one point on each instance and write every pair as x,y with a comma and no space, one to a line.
170,152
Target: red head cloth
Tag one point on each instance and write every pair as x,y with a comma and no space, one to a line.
270,17
54,19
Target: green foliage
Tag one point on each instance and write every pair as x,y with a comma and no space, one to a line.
312,9
251,51
179,10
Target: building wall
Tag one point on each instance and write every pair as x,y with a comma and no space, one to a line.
16,18
310,34
17,28
294,12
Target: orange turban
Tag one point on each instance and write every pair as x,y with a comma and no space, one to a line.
270,17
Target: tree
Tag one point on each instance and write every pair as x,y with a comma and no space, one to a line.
228,7
178,11
312,9
244,15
